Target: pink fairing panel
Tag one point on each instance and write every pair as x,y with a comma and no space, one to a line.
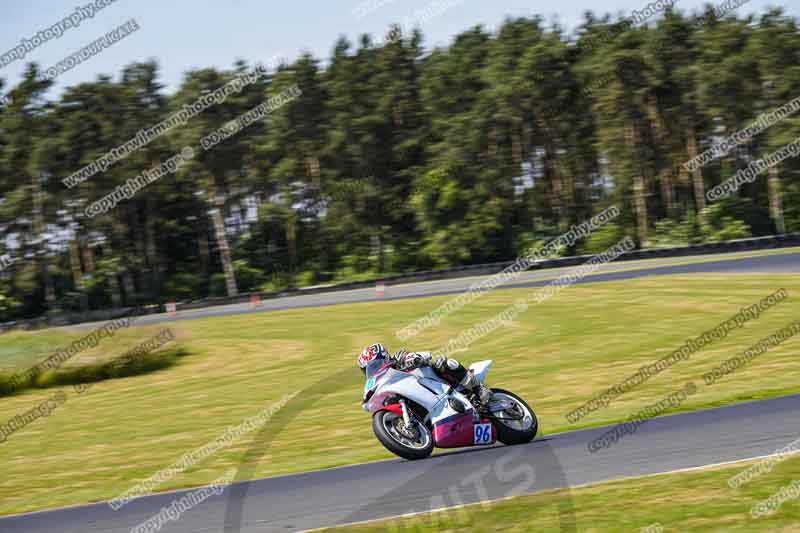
454,431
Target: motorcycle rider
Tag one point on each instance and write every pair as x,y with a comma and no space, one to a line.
448,369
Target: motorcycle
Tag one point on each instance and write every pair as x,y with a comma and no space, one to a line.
413,412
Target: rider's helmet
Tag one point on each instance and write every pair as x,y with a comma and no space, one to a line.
370,353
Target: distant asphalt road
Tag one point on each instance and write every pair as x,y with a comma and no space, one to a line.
720,263
394,487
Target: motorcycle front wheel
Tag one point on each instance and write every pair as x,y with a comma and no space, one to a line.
409,443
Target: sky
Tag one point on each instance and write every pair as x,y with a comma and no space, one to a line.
185,34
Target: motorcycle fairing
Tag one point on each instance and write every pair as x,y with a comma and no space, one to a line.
396,383
454,431
480,369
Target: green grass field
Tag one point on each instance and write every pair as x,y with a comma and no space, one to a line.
557,355
694,501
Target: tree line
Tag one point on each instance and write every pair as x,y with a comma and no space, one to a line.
396,158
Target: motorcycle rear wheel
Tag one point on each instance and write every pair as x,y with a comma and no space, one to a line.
515,431
413,444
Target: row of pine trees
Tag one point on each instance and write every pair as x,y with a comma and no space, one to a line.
398,158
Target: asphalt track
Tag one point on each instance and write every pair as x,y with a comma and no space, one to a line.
394,487
720,263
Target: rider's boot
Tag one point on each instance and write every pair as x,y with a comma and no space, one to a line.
454,372
471,383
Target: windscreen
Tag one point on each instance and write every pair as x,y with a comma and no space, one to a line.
373,367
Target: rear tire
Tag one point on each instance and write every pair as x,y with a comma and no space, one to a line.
509,435
384,423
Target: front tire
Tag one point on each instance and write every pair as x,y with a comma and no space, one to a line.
408,444
515,431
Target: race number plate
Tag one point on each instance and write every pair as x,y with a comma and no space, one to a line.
483,433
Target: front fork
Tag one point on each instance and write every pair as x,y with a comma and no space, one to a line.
406,416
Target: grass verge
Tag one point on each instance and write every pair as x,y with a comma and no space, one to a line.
557,355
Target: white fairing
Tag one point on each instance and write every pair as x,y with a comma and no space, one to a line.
443,410
396,383
481,368
424,387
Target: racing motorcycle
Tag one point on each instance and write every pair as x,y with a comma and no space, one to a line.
413,412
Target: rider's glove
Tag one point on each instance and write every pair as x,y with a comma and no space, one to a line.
411,360
424,358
